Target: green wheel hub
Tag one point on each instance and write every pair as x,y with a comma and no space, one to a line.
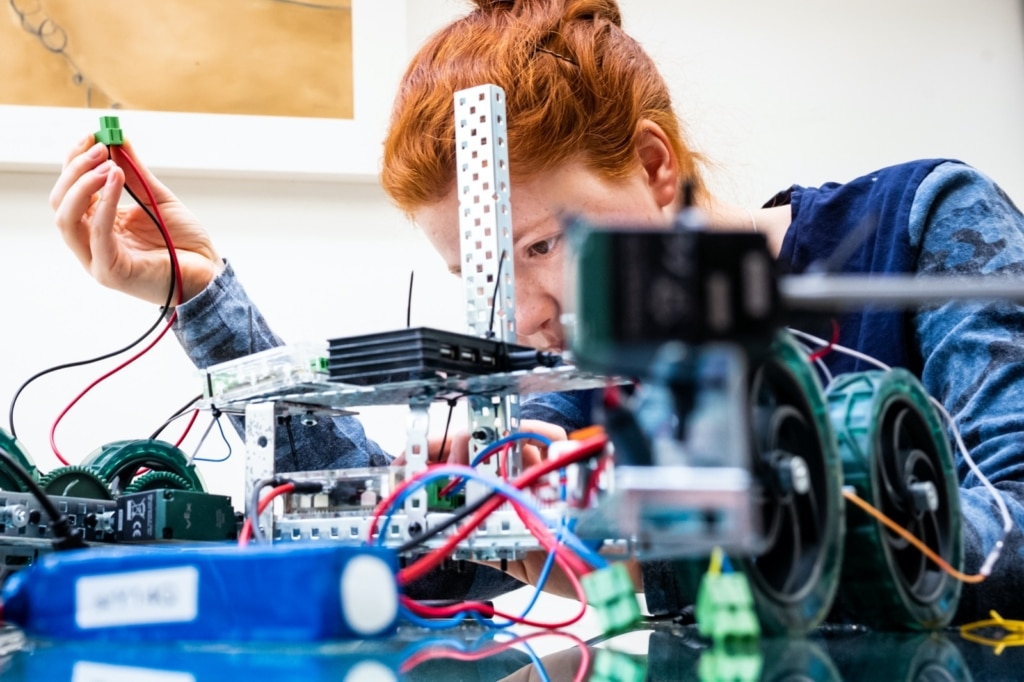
896,456
158,480
120,462
8,479
75,481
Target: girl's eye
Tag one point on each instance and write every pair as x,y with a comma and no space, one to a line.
544,247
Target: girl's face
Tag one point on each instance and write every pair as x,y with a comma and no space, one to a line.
538,207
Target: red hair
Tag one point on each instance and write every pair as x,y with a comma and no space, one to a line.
576,87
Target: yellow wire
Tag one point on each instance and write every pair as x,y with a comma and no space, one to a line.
906,535
715,567
1015,628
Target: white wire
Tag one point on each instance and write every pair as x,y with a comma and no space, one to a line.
842,349
990,560
825,371
993,555
202,440
822,367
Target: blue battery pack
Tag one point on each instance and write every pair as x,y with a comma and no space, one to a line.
283,593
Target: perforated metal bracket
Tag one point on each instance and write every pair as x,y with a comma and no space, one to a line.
485,215
485,227
260,424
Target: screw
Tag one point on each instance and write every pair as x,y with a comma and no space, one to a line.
925,496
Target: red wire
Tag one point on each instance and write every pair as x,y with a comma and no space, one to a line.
53,429
469,656
585,448
195,413
825,350
549,542
155,206
177,278
563,557
243,535
385,504
502,471
592,482
484,609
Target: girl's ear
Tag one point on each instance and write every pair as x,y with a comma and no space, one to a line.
659,162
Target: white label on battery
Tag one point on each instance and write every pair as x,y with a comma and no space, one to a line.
86,671
165,595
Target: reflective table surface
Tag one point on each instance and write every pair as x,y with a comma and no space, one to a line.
651,651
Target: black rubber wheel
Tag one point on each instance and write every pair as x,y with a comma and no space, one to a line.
896,456
797,465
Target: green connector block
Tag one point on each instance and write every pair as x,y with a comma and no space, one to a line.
615,666
725,609
611,593
449,502
740,663
110,132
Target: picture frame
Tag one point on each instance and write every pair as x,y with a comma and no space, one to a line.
36,139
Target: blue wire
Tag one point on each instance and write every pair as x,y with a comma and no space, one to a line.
585,551
493,634
542,672
226,441
413,649
450,470
448,623
564,536
542,579
454,470
497,445
502,442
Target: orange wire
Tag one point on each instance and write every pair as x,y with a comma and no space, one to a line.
906,535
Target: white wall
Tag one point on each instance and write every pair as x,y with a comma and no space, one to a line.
775,93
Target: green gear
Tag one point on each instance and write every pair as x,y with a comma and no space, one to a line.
119,462
8,479
158,480
75,481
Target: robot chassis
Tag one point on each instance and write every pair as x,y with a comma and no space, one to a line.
731,441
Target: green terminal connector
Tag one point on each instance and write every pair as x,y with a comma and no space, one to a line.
616,666
734,663
725,606
449,502
110,132
611,593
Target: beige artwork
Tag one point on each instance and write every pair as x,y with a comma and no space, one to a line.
258,57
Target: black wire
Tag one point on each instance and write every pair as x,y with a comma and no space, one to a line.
408,303
133,344
445,525
494,297
65,537
177,415
452,402
254,504
291,443
456,518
